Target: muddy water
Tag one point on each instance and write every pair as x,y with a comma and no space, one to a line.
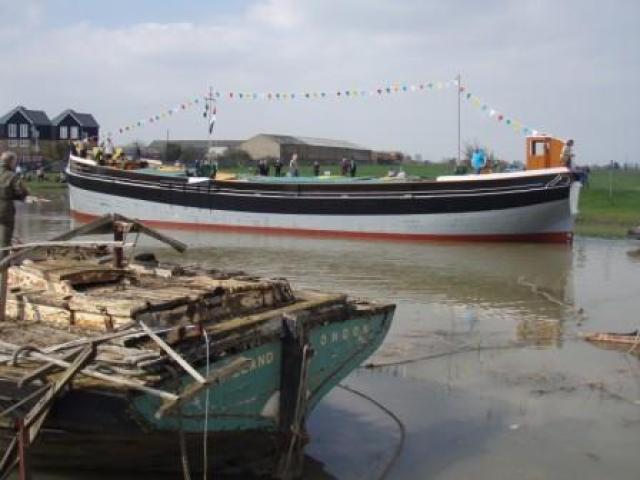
483,365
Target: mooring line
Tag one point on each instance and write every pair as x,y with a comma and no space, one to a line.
206,412
401,428
464,349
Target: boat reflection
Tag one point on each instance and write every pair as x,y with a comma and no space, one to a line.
528,283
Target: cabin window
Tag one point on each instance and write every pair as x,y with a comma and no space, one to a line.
64,132
74,133
539,148
12,130
24,130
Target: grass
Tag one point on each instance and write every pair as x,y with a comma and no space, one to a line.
49,184
610,204
602,214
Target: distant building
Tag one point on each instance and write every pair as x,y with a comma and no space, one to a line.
26,132
325,151
71,125
32,136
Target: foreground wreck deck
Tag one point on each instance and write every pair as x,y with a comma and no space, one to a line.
143,362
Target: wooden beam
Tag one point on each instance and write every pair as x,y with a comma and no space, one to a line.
47,368
79,243
36,393
115,379
173,354
81,361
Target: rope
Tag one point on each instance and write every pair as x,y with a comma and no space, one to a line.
464,349
205,433
401,428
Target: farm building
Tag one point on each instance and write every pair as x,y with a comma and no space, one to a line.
325,151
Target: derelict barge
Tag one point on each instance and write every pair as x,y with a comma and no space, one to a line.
146,367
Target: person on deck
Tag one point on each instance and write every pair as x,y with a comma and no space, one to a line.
352,167
316,168
344,166
293,166
262,168
11,188
108,150
567,154
277,167
478,160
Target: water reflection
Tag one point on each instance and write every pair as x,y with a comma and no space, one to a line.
478,404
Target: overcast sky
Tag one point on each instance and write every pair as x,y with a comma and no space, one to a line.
570,68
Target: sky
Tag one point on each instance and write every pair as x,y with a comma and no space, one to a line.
569,68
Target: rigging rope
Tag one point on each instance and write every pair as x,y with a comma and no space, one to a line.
401,428
205,458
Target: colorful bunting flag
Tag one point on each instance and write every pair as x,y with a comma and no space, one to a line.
352,93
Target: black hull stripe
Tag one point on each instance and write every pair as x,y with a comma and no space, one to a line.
325,188
211,199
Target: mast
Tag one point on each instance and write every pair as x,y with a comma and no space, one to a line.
459,85
209,107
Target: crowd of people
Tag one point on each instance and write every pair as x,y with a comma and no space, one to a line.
348,167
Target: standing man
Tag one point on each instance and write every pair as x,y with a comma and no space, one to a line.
11,188
293,166
566,155
108,150
352,167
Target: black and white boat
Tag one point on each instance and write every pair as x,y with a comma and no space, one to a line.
537,204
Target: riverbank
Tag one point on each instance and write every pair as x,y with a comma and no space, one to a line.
609,203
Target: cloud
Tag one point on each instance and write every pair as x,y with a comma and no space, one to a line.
568,68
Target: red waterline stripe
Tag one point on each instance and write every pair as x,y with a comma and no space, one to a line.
548,237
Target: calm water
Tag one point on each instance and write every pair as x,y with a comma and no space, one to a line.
509,392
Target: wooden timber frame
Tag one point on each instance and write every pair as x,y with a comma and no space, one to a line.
39,359
296,355
29,425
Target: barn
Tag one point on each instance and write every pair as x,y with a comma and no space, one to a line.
309,149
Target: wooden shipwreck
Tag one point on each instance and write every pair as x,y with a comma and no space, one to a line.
164,367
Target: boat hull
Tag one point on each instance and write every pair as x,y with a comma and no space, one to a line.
528,209
88,429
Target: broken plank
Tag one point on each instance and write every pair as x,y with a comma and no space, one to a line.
173,354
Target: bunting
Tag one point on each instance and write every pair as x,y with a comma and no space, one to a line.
496,115
209,100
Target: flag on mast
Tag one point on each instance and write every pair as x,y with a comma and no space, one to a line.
212,119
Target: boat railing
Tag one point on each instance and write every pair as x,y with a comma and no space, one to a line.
182,185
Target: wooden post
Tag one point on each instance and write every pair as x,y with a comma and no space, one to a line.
119,229
296,352
4,279
24,461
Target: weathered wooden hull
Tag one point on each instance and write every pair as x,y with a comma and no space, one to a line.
102,429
